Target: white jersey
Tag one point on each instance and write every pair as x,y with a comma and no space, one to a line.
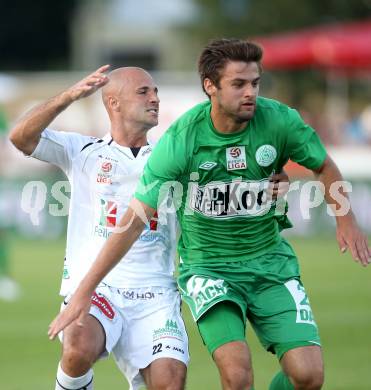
103,177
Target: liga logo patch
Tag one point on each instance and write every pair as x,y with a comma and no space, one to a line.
106,167
236,158
265,155
103,305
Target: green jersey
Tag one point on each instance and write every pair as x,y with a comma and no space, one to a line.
219,180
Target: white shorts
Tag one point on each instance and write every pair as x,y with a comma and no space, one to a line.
141,325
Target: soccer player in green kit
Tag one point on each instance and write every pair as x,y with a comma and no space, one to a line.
218,158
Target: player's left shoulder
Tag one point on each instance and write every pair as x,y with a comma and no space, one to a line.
271,106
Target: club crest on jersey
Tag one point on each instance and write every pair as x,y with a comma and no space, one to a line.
265,155
236,158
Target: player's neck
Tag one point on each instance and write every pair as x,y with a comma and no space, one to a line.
131,139
224,123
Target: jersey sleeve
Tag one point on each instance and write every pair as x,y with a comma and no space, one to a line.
304,144
60,148
164,168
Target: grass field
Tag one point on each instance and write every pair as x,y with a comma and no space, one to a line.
340,292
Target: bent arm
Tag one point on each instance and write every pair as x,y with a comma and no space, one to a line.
348,233
25,135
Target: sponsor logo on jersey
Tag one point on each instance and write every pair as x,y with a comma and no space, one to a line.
204,290
107,218
170,330
235,199
208,165
265,155
236,158
153,222
108,213
103,305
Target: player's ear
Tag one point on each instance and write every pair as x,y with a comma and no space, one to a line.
209,87
113,103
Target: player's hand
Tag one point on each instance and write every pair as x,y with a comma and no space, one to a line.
349,236
77,309
279,185
88,85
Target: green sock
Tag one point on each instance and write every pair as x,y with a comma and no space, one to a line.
281,382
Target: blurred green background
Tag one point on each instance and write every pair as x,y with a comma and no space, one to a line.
340,296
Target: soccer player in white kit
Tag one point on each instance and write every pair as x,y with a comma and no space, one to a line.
135,311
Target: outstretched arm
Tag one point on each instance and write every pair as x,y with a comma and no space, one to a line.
25,135
348,234
118,244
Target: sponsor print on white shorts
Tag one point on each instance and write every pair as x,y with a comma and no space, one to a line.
169,330
170,339
303,310
204,290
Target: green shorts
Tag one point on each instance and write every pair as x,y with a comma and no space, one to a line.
268,291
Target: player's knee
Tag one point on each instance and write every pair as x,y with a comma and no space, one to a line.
311,379
172,377
74,355
78,350
236,378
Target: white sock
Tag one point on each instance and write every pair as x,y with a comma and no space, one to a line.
66,382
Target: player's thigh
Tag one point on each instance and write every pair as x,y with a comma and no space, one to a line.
102,326
165,373
87,341
282,317
221,324
222,329
154,330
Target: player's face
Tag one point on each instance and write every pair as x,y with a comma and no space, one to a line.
139,101
238,89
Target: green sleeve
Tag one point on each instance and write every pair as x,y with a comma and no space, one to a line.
165,166
304,144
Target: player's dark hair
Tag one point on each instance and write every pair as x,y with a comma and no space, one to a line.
219,51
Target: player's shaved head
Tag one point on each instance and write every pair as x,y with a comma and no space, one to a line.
122,78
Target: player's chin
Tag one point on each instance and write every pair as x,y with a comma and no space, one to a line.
244,116
152,121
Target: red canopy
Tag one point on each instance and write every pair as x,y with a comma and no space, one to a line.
341,46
